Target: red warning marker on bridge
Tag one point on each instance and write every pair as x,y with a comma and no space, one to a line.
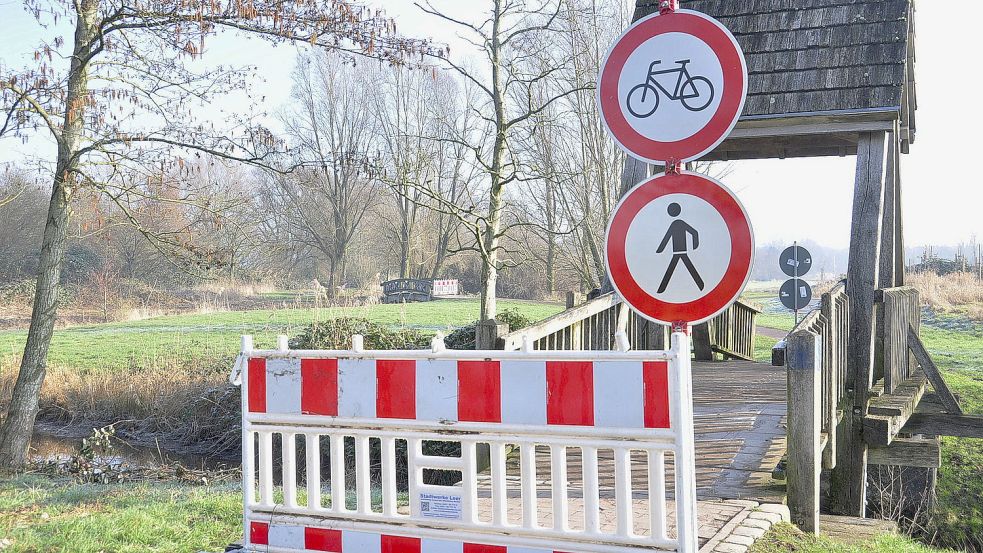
673,87
679,248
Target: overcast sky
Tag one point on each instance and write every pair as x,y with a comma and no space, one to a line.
807,199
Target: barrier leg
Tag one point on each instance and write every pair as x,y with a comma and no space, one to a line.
681,369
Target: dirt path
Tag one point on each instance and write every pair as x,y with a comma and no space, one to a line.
772,333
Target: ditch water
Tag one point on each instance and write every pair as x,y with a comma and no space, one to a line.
47,446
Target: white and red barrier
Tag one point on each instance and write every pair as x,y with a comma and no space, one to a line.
446,287
345,411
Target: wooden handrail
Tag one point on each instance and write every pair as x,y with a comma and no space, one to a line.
560,321
593,325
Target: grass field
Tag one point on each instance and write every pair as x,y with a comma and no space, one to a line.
197,338
40,513
783,538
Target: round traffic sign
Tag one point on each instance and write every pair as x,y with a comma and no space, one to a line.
795,294
679,248
673,87
795,261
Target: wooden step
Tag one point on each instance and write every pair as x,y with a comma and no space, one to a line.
853,529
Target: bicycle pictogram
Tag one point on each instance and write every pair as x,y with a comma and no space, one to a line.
695,93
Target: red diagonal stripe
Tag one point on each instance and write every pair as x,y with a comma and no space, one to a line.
319,387
257,385
479,394
570,393
478,548
655,376
395,544
396,389
321,539
259,533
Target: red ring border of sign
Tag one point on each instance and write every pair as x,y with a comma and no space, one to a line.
734,67
742,248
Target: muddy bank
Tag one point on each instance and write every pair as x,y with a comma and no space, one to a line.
58,442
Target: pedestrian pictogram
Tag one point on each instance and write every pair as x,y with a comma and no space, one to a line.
678,232
679,248
673,86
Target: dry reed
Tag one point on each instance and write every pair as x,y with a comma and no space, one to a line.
955,292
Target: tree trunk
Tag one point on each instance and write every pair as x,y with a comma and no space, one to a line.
15,435
489,290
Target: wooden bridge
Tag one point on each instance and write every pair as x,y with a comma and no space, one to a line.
854,390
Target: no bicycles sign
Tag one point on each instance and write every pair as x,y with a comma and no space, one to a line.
673,87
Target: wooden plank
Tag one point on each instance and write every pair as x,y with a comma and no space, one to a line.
903,401
932,372
945,424
888,413
849,478
908,452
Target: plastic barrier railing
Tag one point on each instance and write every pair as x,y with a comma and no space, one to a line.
437,451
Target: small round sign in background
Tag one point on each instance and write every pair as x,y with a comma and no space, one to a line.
795,261
673,86
795,294
679,248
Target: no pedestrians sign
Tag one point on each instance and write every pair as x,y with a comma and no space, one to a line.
679,248
673,87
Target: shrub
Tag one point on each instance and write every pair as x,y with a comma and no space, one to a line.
337,334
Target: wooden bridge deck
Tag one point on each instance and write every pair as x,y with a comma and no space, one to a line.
740,429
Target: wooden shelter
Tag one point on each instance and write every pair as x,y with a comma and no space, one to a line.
821,73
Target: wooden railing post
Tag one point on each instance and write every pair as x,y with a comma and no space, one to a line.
804,362
488,335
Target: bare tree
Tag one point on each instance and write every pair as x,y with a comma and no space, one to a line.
510,32
419,114
331,129
577,168
128,96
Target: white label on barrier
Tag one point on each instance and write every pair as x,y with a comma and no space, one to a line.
437,505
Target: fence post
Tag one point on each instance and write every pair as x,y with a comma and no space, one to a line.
804,362
488,335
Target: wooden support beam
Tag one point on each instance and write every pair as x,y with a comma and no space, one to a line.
889,218
932,372
849,478
899,262
702,349
908,452
805,365
945,424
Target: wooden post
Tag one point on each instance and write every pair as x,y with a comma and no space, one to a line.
488,335
849,478
571,300
804,362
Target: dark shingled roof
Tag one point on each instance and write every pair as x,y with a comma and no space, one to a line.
818,56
